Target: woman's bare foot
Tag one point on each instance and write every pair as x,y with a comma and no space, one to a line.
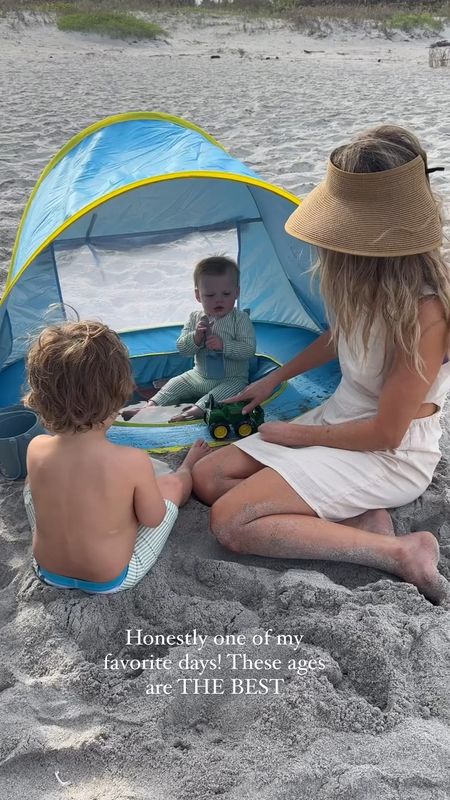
418,565
377,521
190,412
199,450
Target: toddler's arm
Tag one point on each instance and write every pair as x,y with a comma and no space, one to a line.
243,345
149,505
186,343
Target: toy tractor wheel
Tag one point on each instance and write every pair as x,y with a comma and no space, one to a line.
219,430
245,428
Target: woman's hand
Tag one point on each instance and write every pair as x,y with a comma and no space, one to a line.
281,433
256,393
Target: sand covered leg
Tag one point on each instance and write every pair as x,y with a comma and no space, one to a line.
263,515
374,521
225,469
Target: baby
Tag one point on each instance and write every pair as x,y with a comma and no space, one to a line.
221,339
99,516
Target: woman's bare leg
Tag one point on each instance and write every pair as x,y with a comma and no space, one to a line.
222,470
376,521
264,516
229,465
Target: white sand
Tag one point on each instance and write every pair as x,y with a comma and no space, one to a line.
374,722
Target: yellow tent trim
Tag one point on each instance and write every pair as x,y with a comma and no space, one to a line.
177,352
177,448
113,120
136,185
97,126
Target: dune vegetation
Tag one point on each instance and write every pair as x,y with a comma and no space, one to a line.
115,18
115,24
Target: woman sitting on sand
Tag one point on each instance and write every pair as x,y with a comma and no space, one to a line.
375,442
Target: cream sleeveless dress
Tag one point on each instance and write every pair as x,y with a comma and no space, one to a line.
339,484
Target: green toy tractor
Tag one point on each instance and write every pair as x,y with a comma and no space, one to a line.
222,417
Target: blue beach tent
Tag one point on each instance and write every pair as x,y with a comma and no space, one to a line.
113,229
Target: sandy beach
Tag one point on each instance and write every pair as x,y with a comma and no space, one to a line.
361,709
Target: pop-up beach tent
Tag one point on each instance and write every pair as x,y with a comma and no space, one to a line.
113,229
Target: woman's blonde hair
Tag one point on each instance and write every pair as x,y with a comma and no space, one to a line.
79,376
362,289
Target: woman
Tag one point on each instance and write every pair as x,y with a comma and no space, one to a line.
317,487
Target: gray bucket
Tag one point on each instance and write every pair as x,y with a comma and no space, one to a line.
18,425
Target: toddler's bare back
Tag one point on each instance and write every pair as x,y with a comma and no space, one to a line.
82,492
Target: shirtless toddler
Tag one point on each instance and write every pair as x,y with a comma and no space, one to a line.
99,516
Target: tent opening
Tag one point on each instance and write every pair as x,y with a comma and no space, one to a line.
141,281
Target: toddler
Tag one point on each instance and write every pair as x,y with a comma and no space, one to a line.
99,516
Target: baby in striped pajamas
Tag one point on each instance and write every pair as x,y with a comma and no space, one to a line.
221,339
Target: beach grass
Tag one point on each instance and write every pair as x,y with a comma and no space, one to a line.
109,17
77,6
317,19
114,24
409,22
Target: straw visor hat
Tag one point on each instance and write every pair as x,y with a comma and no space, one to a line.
388,213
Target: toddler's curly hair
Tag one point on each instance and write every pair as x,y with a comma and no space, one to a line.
79,375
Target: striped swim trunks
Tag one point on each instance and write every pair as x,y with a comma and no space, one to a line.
149,544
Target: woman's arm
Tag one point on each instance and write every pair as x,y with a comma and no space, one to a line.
403,393
321,351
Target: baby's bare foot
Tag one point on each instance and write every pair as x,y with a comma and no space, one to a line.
199,450
418,564
191,412
376,521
